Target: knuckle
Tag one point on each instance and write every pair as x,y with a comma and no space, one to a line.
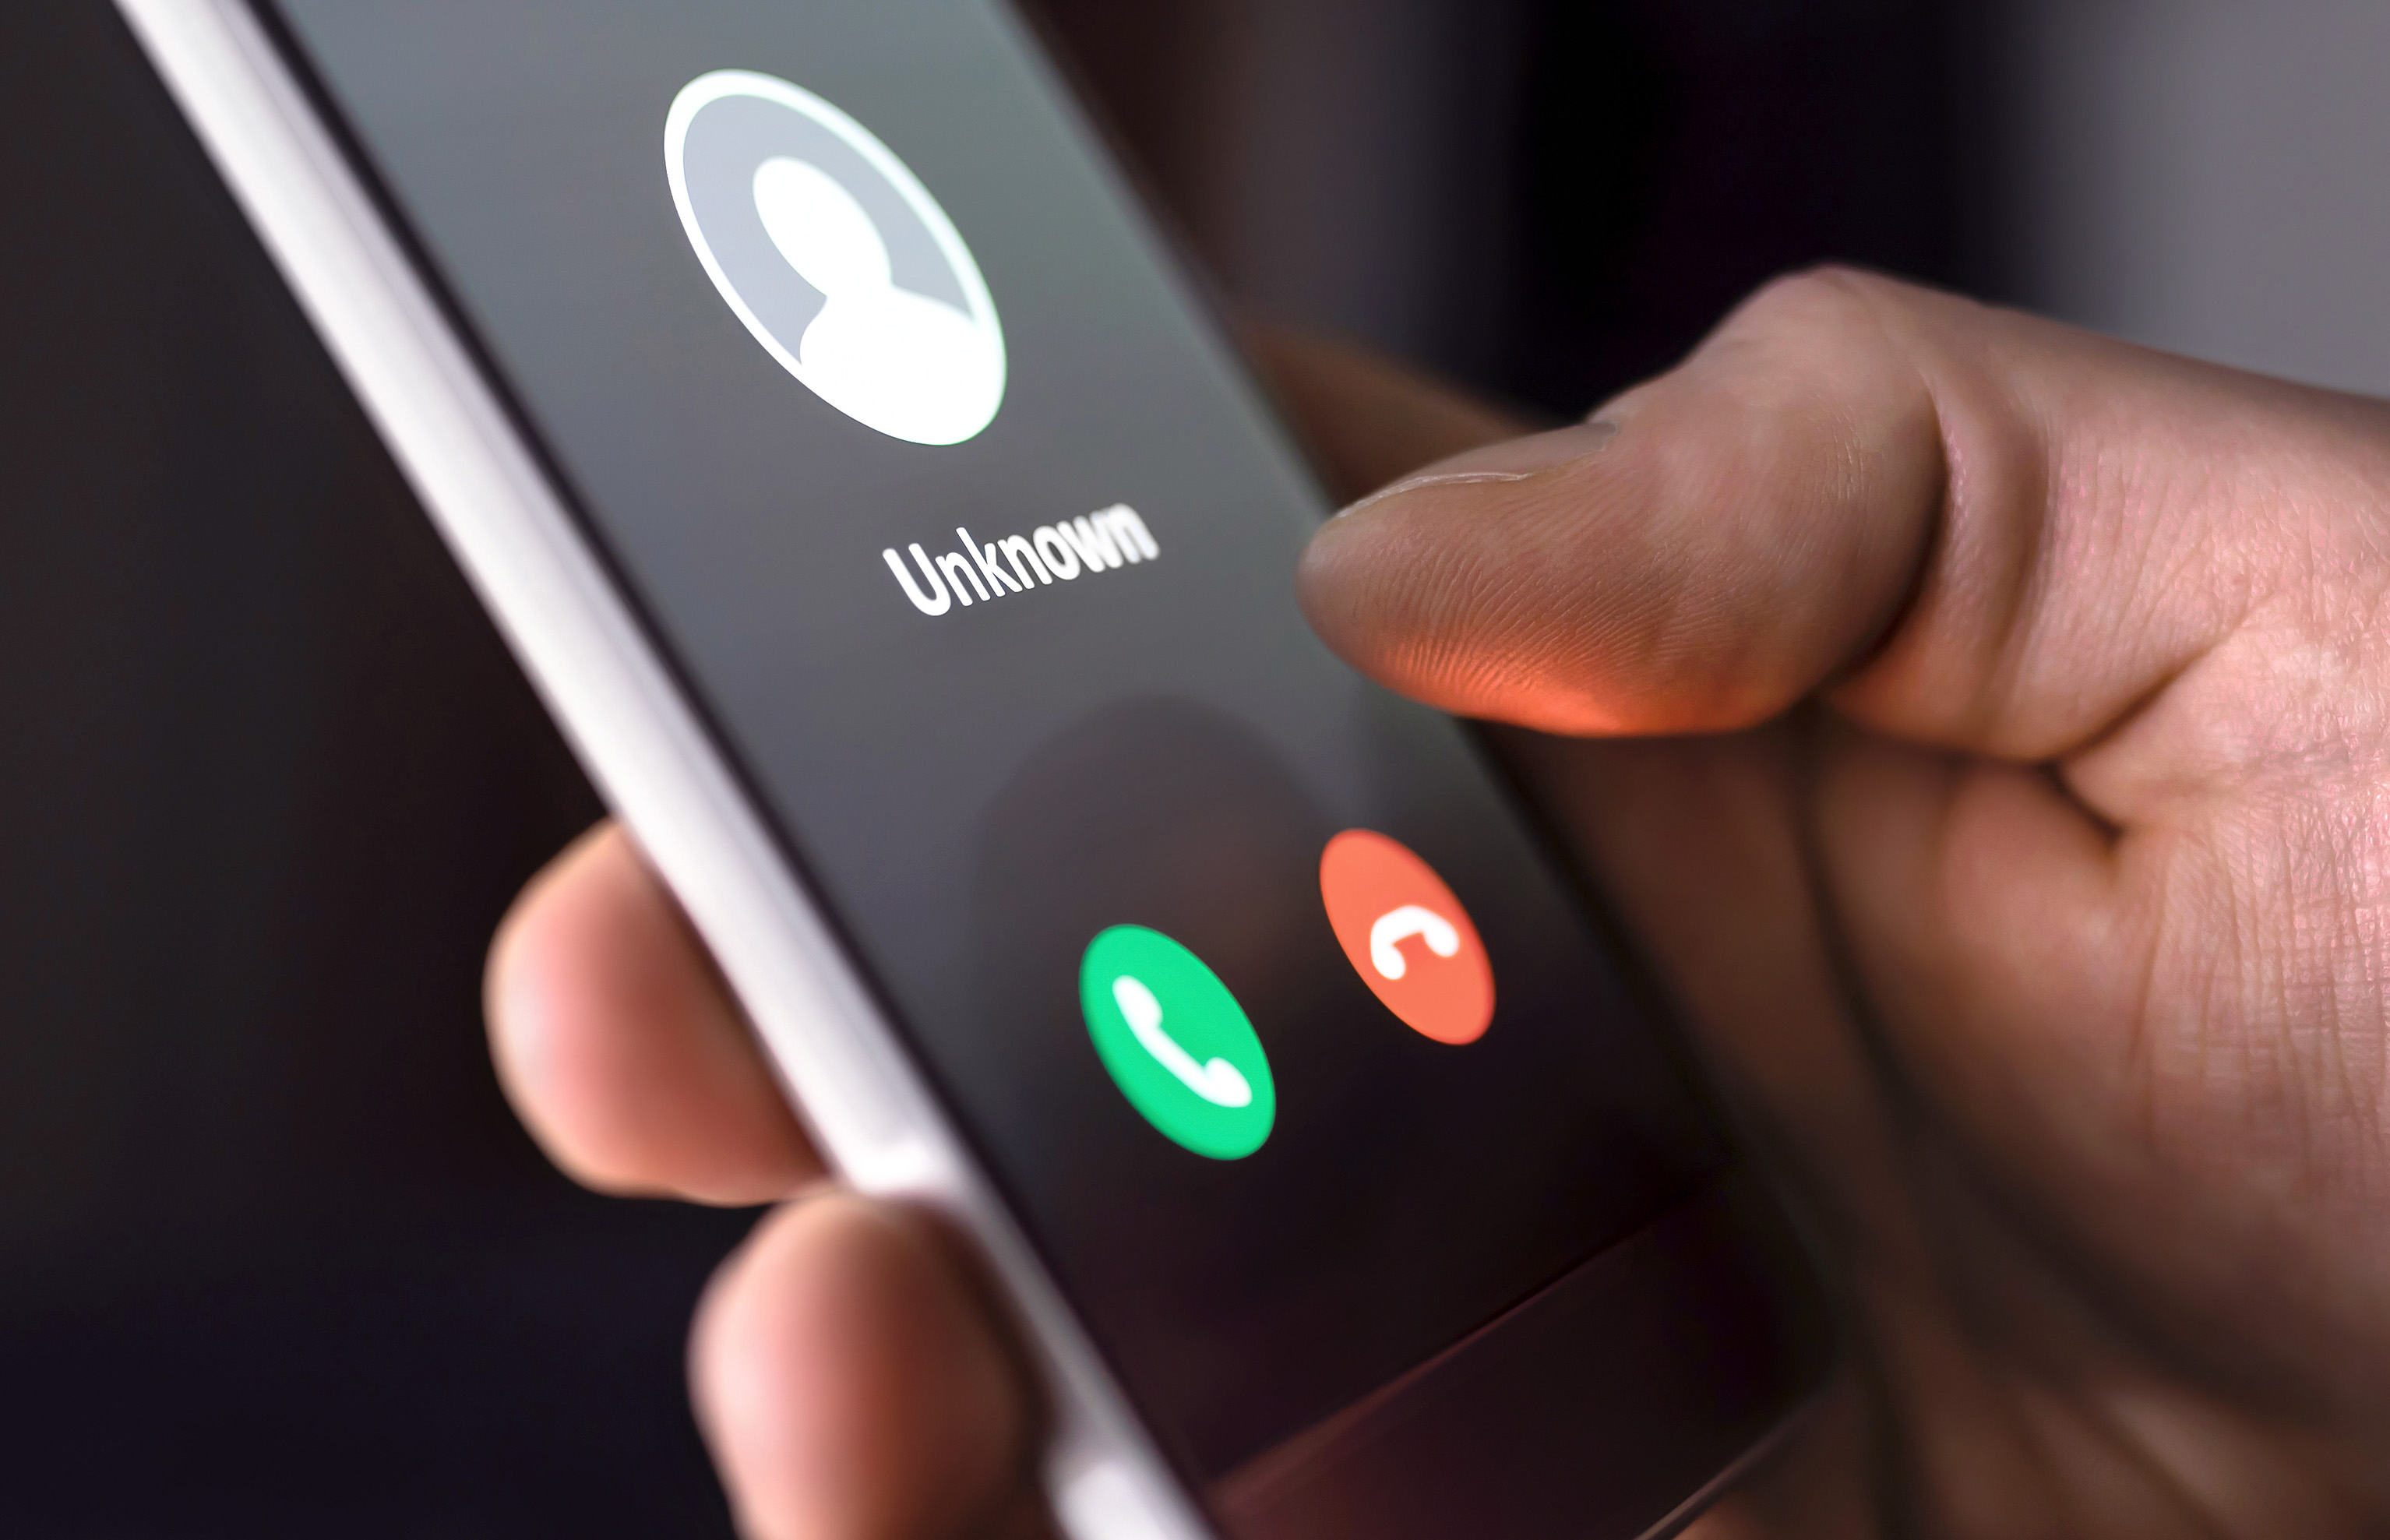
1819,303
1829,354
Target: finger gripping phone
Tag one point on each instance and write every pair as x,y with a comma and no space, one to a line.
912,566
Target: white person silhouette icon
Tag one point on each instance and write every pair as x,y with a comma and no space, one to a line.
835,257
910,365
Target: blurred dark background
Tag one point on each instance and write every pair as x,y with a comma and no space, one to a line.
274,1260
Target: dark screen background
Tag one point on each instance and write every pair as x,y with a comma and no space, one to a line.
976,796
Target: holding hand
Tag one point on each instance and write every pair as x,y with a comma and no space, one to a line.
1988,729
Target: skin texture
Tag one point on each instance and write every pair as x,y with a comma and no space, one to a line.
1984,726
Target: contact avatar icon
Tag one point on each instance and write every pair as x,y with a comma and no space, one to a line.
835,257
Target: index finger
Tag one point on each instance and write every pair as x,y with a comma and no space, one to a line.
621,1046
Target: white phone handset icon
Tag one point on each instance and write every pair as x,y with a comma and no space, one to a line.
1401,924
1217,1081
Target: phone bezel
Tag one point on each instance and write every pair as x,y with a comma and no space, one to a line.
502,509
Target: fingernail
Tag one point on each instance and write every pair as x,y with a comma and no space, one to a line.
1513,460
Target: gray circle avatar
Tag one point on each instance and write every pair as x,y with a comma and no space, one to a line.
835,257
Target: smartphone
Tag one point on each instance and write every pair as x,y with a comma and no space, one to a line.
910,560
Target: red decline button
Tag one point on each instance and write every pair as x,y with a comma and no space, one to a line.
1406,936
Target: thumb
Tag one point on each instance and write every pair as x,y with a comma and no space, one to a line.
1702,553
1976,527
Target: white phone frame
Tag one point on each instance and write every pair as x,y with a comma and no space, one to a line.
855,1084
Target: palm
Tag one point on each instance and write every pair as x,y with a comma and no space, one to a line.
2043,1339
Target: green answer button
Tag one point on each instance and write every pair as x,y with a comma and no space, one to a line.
1176,1043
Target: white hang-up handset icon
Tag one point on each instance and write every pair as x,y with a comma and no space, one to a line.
1401,924
1218,1082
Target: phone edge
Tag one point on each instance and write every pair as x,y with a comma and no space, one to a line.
505,524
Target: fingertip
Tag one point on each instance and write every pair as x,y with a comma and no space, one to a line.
534,932
1496,593
621,1048
851,1382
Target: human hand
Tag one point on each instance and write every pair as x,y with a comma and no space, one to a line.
1984,726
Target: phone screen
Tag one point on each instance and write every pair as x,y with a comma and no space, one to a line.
1290,1045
